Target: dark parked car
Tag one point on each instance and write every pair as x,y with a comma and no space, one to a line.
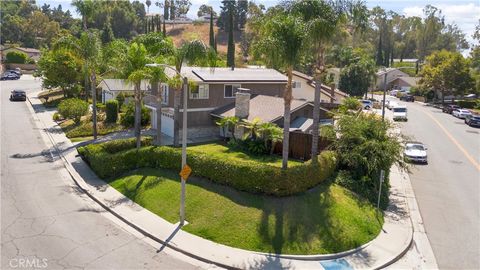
18,95
408,98
9,76
449,108
473,120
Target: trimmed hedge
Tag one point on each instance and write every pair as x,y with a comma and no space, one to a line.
112,111
468,104
112,159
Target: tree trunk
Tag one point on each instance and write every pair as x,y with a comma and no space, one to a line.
287,98
159,115
86,81
138,114
316,116
176,116
94,105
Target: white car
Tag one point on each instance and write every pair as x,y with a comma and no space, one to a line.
461,113
392,105
400,113
415,152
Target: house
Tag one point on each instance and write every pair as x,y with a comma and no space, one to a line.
304,88
214,88
392,74
110,88
30,52
404,83
250,107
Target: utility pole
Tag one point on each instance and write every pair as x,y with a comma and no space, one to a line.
384,94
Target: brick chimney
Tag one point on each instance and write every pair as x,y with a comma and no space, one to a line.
242,103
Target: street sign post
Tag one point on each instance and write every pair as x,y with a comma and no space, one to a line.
185,172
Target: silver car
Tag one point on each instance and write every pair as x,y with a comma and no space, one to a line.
415,152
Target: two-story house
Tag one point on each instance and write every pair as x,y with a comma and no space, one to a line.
214,88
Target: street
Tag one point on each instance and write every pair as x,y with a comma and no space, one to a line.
447,189
46,221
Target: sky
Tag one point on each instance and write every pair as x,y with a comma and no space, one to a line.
465,13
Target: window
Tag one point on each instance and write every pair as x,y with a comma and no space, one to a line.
230,90
164,93
297,85
199,92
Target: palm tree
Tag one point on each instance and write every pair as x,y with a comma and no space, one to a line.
252,128
86,8
192,52
157,75
228,125
88,48
130,65
148,3
322,20
270,133
282,43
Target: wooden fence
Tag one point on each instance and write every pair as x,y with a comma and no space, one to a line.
300,146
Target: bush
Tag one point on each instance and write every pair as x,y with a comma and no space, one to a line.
101,107
112,111
56,116
468,104
73,108
111,159
15,57
121,99
365,187
128,119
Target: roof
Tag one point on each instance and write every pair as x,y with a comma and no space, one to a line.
409,80
301,123
258,108
27,50
325,89
121,85
239,75
381,71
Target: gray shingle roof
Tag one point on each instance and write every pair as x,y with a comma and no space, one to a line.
239,75
121,85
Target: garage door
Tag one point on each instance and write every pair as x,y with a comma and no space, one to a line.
167,122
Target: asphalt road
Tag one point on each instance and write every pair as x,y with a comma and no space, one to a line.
448,188
46,222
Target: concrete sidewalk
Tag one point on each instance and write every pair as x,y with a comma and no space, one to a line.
392,242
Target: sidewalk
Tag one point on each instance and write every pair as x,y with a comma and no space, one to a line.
392,242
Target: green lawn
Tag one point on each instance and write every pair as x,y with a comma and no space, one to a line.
221,150
326,219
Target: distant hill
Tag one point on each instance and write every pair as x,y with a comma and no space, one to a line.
183,32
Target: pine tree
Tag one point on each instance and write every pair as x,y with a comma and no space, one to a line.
215,44
107,32
166,9
212,33
379,58
231,44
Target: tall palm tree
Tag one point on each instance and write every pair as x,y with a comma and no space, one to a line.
130,65
88,48
157,76
282,43
190,52
86,8
323,20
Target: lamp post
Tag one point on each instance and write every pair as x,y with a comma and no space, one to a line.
184,137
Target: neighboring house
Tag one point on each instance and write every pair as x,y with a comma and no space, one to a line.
268,109
304,88
392,74
404,83
31,52
112,87
214,88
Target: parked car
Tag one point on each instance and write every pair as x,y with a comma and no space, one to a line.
461,113
450,108
392,105
9,76
393,93
415,152
16,72
19,95
472,120
367,104
400,113
408,98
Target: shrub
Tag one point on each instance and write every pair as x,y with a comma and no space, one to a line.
469,104
101,107
121,99
73,108
56,116
111,159
365,187
16,57
128,119
112,111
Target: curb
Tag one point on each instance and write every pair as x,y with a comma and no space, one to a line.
321,257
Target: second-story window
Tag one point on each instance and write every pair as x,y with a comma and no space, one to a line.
199,92
230,90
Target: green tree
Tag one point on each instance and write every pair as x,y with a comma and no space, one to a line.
204,10
112,111
228,125
270,134
357,77
231,43
86,8
16,57
281,44
211,33
157,76
73,108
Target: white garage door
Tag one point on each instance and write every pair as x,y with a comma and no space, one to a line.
167,122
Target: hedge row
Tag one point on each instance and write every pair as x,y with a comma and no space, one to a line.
468,104
111,159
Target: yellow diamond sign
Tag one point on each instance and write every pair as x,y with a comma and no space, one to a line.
185,172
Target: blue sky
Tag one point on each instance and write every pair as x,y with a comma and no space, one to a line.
465,13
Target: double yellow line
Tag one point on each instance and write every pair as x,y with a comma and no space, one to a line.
459,146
